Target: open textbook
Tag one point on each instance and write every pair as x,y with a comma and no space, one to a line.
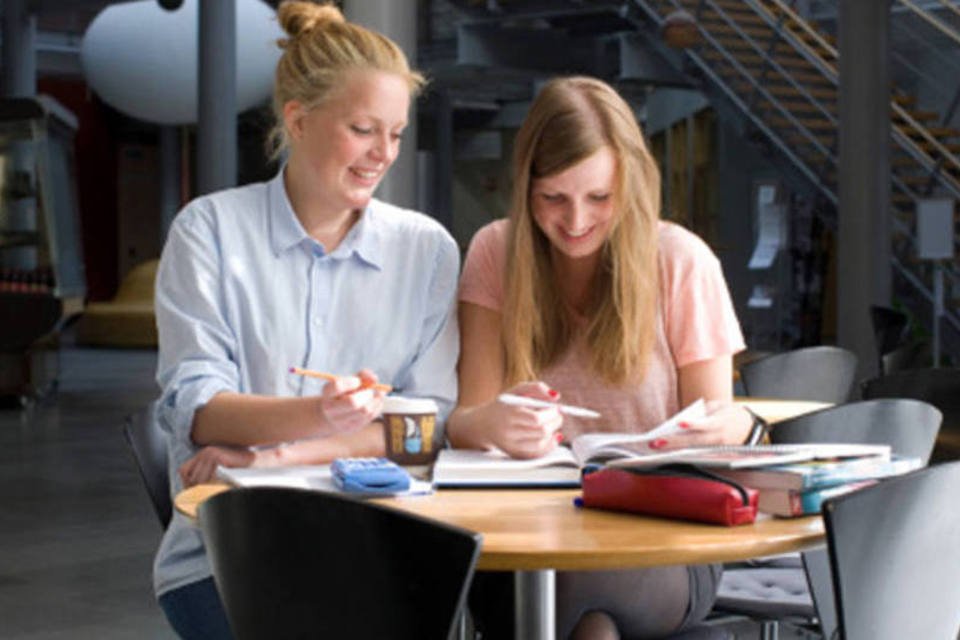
560,467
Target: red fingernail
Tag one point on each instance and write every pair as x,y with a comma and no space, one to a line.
553,393
684,425
658,444
559,436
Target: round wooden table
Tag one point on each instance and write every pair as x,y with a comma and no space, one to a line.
534,532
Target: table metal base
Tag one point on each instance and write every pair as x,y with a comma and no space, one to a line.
534,605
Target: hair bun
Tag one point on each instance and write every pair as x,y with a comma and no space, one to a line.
300,17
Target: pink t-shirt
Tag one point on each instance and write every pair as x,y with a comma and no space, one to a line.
695,321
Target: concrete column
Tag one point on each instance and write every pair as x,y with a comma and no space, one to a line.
396,19
443,169
863,240
169,178
19,50
217,96
20,81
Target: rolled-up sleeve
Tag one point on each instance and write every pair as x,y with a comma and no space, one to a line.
197,347
433,371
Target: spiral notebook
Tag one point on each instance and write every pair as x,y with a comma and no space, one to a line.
752,456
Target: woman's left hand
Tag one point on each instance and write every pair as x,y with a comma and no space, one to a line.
725,423
202,467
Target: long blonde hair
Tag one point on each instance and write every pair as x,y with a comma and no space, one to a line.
571,119
321,47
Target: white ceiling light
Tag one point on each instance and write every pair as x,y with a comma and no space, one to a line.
142,59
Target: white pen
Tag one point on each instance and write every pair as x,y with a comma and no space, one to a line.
524,401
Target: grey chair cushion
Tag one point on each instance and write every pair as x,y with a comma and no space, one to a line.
765,591
704,632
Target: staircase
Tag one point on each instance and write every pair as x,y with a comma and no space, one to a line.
781,75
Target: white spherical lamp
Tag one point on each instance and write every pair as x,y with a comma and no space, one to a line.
142,59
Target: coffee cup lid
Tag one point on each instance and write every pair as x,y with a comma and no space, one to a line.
400,404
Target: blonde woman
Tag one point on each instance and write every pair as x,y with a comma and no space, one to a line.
585,294
305,270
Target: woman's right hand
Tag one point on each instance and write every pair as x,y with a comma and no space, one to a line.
349,403
524,432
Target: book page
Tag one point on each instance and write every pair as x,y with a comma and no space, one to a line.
493,460
598,447
465,467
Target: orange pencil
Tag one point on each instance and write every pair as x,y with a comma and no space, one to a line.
330,376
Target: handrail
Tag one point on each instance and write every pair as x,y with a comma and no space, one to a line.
922,288
927,163
757,86
922,157
952,7
733,97
829,70
938,24
806,27
773,63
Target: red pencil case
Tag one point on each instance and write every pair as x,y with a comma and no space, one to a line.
677,491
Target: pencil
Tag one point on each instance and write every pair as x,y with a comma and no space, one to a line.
310,373
524,401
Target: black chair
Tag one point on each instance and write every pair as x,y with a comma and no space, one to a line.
148,443
889,330
909,426
822,374
913,354
785,589
894,557
939,387
291,563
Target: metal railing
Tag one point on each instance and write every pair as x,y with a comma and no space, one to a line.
809,44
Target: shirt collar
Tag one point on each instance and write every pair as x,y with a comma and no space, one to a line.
363,240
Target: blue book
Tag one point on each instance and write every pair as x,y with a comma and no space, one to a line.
818,474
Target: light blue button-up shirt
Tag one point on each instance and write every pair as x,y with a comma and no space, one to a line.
243,294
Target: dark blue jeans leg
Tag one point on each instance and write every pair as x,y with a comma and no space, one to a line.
196,613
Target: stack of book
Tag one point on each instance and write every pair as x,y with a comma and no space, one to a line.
800,488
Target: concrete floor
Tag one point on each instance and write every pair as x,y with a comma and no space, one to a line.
77,533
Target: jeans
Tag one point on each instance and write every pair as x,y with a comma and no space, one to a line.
196,613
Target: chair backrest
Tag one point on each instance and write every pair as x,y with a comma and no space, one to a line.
148,443
292,563
909,426
889,329
939,387
894,556
821,374
915,354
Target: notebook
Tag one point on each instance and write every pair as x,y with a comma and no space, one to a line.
315,477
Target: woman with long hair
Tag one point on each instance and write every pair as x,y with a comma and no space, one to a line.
585,294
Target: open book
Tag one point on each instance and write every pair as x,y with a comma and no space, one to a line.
560,467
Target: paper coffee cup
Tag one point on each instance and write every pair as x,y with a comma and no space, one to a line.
410,430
